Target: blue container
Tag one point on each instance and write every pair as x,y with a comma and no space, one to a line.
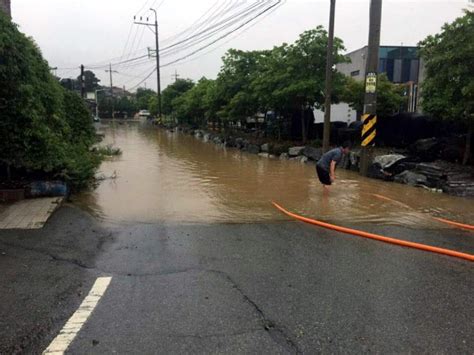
48,189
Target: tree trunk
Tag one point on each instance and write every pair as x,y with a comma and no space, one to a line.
279,126
467,151
308,126
303,126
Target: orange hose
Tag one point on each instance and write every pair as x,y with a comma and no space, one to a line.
456,224
447,221
381,238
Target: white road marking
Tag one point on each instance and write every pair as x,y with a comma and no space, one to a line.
60,344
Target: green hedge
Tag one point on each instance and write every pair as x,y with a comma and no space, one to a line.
43,127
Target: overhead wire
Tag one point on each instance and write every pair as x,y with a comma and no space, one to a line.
165,40
222,37
142,81
212,18
234,37
212,33
267,9
231,18
241,13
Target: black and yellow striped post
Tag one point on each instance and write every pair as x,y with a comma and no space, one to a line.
369,130
370,99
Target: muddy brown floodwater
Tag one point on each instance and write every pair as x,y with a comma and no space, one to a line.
168,176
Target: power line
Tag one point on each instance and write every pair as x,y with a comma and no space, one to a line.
139,76
141,82
248,9
212,18
128,40
234,37
212,33
223,36
118,63
266,10
203,35
188,28
143,6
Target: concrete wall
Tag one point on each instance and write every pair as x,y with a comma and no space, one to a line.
5,7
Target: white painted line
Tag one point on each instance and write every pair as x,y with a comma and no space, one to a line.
60,344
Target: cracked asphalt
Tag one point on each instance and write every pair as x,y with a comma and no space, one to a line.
273,287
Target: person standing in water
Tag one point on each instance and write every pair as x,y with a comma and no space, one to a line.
326,166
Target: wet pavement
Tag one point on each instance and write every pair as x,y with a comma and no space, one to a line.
202,263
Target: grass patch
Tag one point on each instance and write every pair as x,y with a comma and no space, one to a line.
108,151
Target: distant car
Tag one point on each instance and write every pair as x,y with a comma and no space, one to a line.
144,113
96,119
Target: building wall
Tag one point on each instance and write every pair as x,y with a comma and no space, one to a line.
356,68
339,112
401,64
5,7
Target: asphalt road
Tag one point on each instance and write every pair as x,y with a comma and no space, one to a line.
282,287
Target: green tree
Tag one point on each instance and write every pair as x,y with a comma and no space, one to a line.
293,76
233,85
143,97
91,82
125,106
448,89
390,97
192,107
173,91
70,84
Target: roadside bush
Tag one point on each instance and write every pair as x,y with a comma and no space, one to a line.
43,127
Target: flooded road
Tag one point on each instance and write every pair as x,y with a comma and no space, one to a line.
170,176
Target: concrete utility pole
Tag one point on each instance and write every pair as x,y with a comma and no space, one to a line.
369,118
110,71
83,84
175,75
157,54
5,6
329,63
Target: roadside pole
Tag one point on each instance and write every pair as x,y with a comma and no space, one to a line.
154,28
83,84
111,89
369,118
329,63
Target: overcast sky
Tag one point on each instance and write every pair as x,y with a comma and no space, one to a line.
71,32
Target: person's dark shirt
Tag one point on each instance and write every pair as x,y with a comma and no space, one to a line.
334,154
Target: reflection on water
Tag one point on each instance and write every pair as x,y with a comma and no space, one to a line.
170,176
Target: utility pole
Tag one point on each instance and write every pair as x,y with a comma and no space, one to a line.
157,55
5,6
369,118
329,63
110,71
83,84
175,75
